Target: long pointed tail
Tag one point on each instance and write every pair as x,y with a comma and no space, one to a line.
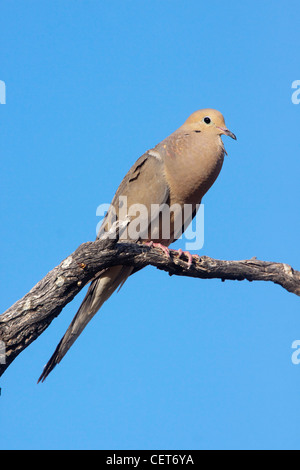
99,291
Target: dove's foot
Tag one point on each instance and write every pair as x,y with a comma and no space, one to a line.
164,248
190,257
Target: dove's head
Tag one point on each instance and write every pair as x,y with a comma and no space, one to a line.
208,121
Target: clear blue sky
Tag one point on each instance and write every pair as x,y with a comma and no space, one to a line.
170,362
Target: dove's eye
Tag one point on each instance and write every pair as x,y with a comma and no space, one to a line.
207,120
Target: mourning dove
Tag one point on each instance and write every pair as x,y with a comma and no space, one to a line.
177,171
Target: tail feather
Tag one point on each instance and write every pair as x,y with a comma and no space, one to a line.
99,291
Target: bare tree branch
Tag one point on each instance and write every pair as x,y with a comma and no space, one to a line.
22,323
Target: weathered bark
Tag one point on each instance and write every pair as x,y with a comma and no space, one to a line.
22,323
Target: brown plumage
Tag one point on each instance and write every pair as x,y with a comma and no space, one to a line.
177,171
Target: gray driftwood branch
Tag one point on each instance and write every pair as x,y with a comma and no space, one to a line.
22,323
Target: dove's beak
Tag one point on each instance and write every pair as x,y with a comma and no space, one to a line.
227,132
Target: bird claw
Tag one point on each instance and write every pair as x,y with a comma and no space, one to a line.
188,255
164,248
179,253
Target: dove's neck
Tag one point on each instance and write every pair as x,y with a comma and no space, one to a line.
193,161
